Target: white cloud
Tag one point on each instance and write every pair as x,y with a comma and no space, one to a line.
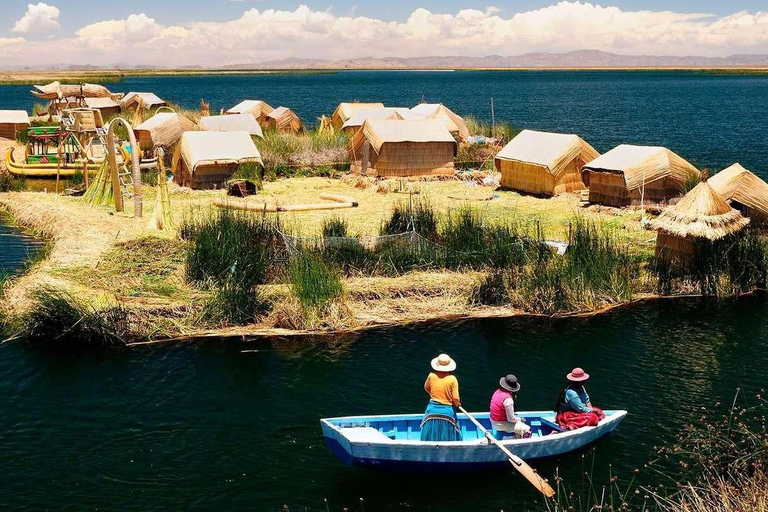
261,35
39,17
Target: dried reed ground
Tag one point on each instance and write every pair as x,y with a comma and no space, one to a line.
103,256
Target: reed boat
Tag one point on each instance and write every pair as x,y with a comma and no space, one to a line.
46,170
394,441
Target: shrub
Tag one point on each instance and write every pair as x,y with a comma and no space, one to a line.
412,215
233,306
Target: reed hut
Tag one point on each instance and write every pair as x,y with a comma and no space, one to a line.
345,111
162,130
544,163
107,106
743,191
455,123
700,215
285,120
149,100
257,108
13,121
353,124
231,123
401,148
637,174
208,159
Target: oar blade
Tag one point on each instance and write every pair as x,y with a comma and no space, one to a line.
533,477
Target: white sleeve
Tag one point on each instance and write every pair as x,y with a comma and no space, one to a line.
509,407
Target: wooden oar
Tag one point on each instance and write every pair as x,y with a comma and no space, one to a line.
517,463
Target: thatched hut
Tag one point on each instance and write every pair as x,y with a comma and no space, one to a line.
356,121
163,129
633,174
231,123
700,215
257,108
743,191
397,148
285,120
148,100
208,159
454,122
544,163
12,122
345,111
107,106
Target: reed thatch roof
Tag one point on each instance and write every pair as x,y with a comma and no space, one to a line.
357,120
640,164
552,151
740,185
256,108
163,129
231,123
346,110
217,148
701,213
285,119
148,99
390,131
454,122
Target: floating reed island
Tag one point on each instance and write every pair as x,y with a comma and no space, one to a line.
179,223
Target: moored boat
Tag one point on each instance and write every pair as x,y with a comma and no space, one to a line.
46,170
395,441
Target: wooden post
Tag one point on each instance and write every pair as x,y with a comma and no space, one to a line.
364,163
117,194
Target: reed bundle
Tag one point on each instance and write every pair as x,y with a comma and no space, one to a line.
99,193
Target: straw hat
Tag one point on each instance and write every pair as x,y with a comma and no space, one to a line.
577,375
443,363
510,383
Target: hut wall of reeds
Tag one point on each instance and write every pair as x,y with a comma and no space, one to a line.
346,110
231,123
544,163
402,148
700,215
257,108
12,122
208,159
163,129
743,191
632,174
437,111
285,120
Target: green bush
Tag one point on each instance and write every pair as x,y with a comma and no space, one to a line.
314,283
412,215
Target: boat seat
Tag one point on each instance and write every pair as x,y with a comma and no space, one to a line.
364,434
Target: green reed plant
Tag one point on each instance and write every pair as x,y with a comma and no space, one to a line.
335,227
251,171
10,183
314,283
414,214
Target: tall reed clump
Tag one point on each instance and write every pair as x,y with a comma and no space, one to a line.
251,171
231,253
317,286
58,318
500,130
307,153
10,183
415,214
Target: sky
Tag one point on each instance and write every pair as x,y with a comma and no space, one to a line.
220,32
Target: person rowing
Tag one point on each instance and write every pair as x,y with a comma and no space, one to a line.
574,408
503,415
440,422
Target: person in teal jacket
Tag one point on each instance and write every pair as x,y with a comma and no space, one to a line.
574,408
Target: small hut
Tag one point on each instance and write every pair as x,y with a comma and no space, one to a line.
454,122
633,174
149,100
743,191
11,122
700,215
345,111
284,119
107,106
544,163
231,123
356,121
397,148
257,108
163,129
208,159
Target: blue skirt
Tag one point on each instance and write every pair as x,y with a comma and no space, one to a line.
440,423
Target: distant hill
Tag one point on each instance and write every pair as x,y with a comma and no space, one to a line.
576,59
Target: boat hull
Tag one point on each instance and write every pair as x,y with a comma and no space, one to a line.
46,170
370,442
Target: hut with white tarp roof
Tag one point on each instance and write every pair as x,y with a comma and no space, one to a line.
544,163
345,111
231,123
208,159
398,148
454,122
629,175
13,121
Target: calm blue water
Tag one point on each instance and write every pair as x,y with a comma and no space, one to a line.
713,121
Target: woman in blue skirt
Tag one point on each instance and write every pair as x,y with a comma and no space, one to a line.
440,422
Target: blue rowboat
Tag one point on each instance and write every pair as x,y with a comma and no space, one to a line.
395,441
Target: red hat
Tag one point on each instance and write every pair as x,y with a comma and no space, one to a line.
577,375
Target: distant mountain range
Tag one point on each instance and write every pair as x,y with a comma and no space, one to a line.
576,59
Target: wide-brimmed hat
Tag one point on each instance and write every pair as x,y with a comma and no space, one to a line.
577,375
510,383
443,363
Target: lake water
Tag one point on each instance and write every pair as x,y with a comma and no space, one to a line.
711,120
